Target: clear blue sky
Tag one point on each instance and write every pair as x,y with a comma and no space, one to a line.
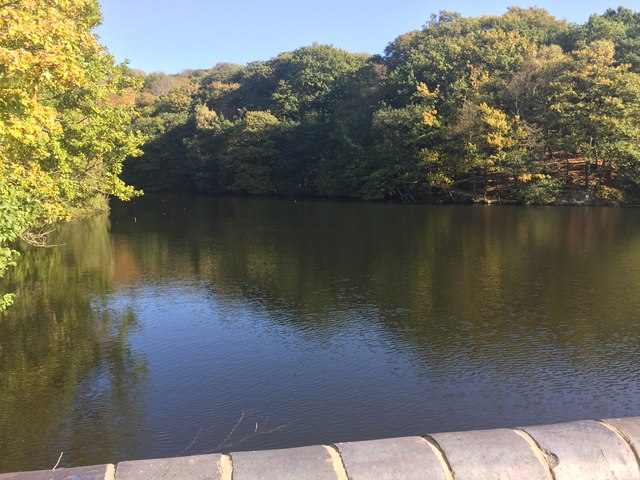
171,35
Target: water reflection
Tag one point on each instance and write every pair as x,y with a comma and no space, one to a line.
69,381
204,324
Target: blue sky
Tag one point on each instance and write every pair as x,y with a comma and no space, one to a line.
170,36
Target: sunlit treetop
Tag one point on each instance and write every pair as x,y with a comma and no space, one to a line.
63,131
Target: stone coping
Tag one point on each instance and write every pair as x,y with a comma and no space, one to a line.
587,449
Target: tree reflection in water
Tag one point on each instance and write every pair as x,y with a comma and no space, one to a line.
69,380
335,321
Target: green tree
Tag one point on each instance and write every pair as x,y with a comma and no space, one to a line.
528,89
620,26
247,163
494,141
165,120
406,163
598,103
517,94
310,79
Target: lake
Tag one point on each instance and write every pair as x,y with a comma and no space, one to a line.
183,325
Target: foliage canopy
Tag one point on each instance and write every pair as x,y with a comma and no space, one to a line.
520,107
64,119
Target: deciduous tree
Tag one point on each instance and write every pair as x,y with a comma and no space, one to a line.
64,129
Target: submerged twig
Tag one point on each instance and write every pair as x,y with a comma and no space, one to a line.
233,429
259,429
192,441
58,462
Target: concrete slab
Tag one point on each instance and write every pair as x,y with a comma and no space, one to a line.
407,458
94,472
308,463
586,450
197,467
629,427
490,454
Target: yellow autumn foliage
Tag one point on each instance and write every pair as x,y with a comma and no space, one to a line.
63,138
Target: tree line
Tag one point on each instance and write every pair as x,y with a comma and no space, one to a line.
521,108
514,108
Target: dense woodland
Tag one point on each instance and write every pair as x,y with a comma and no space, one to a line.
514,108
519,108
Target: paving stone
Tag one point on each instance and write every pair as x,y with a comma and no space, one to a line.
407,458
95,472
629,427
494,454
197,467
304,463
586,450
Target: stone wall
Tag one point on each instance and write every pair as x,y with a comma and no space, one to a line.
589,449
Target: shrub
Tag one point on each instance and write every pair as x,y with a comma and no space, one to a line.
539,190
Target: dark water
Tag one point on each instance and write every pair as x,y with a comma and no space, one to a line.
187,325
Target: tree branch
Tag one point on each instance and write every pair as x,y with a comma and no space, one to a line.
10,4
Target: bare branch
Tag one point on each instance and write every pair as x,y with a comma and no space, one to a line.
10,4
38,238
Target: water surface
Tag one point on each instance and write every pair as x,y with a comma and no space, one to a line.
185,325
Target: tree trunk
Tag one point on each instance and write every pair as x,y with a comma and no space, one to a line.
587,171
